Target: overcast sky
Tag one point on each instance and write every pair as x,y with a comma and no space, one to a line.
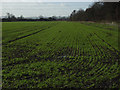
48,0
38,7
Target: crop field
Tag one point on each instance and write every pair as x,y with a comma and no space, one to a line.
60,54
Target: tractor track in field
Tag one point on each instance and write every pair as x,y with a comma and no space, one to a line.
117,52
29,34
108,61
107,51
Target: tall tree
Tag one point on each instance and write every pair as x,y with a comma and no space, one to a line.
98,11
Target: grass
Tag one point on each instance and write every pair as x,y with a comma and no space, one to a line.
60,54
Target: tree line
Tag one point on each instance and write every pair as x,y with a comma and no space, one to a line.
98,11
10,17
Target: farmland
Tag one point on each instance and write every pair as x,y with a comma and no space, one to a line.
59,54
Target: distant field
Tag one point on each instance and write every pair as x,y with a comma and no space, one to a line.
60,54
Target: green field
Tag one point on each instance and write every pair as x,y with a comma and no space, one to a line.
60,54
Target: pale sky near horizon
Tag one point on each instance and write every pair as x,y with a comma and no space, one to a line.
35,9
48,0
